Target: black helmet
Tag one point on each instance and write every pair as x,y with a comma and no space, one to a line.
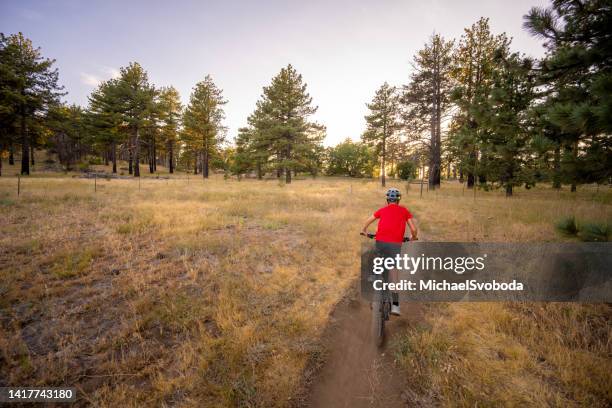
393,195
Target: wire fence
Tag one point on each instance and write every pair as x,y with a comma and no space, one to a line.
423,187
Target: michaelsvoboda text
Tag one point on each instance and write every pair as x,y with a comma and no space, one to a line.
431,285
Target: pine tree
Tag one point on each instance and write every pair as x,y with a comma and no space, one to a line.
308,157
68,139
254,143
474,64
427,99
577,72
29,85
382,123
504,118
244,155
151,132
104,118
131,99
170,111
203,121
281,121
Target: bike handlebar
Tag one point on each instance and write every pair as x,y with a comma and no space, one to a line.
372,236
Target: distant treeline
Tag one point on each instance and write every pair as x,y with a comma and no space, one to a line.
472,109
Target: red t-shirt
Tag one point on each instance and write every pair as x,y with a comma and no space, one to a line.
392,223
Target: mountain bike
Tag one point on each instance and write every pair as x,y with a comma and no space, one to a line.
381,305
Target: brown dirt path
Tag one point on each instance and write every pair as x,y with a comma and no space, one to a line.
357,373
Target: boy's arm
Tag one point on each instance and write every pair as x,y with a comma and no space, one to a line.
367,224
413,230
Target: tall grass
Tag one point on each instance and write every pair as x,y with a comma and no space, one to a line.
215,293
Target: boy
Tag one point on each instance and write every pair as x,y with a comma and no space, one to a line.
392,221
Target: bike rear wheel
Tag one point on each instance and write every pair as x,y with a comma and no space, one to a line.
378,322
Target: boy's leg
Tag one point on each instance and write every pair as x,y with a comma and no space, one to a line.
393,276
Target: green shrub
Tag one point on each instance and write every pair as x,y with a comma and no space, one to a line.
95,160
75,263
6,202
595,232
568,226
407,170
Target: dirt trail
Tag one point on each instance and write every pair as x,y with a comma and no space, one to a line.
356,372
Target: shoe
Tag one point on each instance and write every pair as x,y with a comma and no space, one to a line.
395,310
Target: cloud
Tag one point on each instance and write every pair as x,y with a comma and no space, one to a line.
103,74
113,72
90,79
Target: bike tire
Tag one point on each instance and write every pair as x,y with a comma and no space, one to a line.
378,323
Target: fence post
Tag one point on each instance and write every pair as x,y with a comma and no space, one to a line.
422,179
95,182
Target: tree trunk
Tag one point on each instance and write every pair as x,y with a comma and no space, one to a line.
32,154
151,159
482,160
575,155
11,154
470,180
114,153
435,160
136,155
259,173
205,163
482,178
509,176
384,152
471,177
106,158
287,176
170,157
25,145
287,169
557,168
154,155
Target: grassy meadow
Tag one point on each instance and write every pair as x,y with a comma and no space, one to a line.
183,292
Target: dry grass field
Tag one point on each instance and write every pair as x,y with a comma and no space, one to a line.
176,292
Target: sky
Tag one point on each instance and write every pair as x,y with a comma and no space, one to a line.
345,50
